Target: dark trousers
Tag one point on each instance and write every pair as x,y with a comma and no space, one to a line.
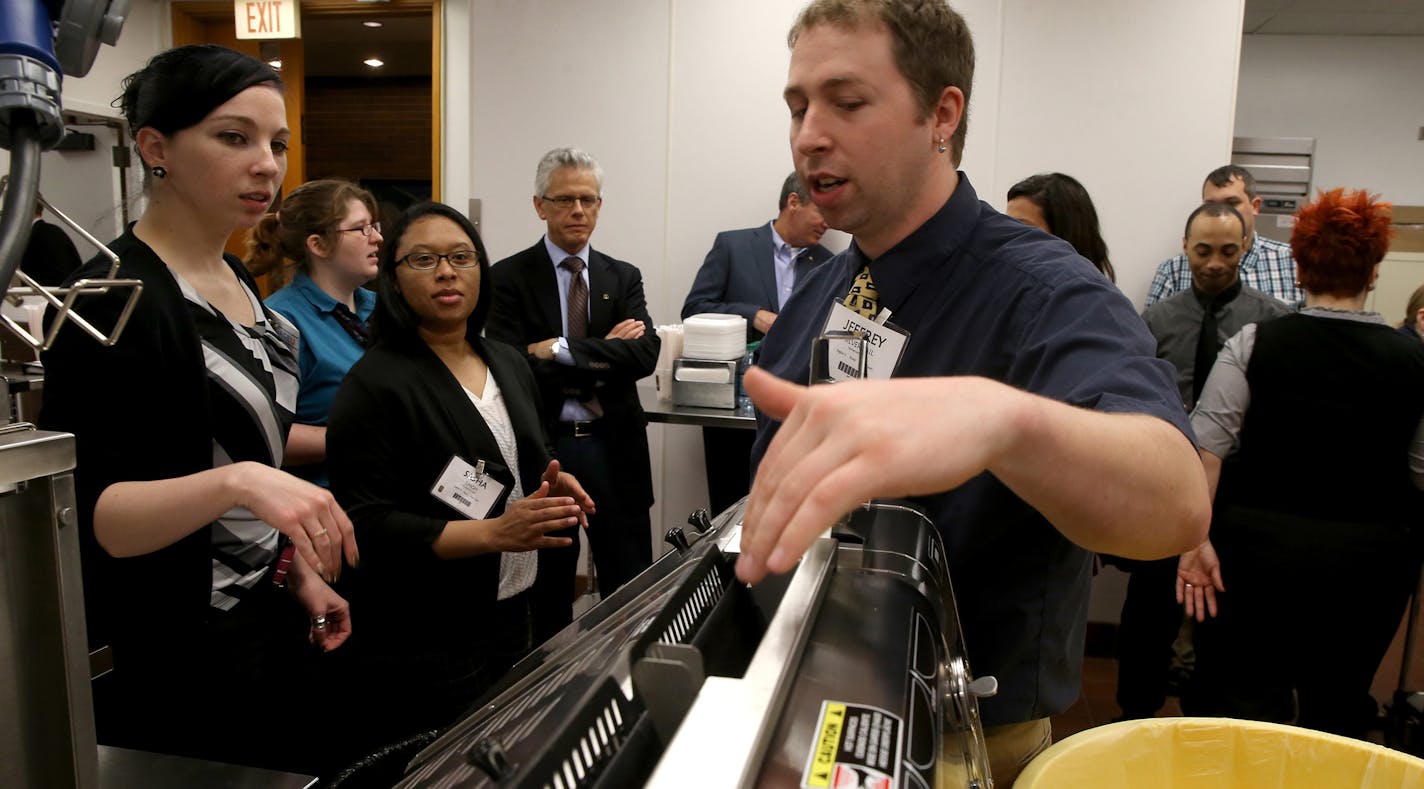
394,685
620,532
1151,619
238,687
1310,608
728,452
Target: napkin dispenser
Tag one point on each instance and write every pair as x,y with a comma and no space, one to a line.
704,383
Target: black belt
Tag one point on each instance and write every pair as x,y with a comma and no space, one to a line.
579,429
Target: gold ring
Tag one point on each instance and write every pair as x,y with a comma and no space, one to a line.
319,532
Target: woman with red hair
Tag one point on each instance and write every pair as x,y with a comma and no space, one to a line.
1313,426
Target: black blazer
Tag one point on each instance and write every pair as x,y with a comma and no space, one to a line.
526,310
397,420
126,430
738,277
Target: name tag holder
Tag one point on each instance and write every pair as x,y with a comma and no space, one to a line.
468,489
852,346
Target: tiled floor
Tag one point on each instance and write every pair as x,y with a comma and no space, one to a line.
1096,704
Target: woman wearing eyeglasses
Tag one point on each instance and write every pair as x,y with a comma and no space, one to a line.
437,450
327,229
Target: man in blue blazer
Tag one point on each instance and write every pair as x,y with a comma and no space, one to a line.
752,272
582,320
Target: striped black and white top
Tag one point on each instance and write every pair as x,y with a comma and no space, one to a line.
252,391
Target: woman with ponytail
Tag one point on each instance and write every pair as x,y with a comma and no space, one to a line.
327,230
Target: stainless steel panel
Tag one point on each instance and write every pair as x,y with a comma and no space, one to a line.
1274,145
121,768
46,710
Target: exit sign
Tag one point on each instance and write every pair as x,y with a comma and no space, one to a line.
267,19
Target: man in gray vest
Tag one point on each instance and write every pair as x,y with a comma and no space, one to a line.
1190,327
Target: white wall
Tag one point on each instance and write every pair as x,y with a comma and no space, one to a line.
1133,99
82,184
681,103
1360,97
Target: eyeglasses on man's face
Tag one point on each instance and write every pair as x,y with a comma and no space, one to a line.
365,230
566,202
424,261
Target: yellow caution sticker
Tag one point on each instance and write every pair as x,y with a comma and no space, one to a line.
855,746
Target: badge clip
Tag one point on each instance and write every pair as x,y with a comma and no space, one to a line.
479,470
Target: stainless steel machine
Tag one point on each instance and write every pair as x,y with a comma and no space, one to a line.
48,737
848,671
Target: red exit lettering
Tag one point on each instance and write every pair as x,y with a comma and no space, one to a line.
264,16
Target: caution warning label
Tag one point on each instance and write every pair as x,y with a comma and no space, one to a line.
855,746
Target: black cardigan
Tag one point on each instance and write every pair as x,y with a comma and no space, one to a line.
139,411
398,418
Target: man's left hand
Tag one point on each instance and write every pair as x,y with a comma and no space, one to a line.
544,349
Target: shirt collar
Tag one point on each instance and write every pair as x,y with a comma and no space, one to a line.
364,299
559,256
897,272
1252,254
1218,299
778,243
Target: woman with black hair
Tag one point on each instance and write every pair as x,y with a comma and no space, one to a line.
437,449
180,427
1058,204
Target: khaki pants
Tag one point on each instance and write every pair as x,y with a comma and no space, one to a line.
1011,747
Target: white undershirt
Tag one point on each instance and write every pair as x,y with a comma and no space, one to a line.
516,570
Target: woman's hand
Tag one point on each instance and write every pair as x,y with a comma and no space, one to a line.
564,484
329,612
306,513
525,523
1198,581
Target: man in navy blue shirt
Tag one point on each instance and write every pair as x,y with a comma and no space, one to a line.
1058,433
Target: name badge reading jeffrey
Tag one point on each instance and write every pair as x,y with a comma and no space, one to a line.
884,343
467,489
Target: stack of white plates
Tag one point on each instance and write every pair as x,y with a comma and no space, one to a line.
714,336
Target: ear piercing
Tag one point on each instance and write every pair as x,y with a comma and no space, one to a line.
159,171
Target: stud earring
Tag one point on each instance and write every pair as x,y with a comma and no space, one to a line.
941,145
159,171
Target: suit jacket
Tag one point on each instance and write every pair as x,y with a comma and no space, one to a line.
739,275
397,420
526,309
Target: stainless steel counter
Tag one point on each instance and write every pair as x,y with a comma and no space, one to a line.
121,768
664,411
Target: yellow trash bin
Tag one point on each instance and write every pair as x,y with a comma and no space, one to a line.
1217,753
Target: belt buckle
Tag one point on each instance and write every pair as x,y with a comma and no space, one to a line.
583,428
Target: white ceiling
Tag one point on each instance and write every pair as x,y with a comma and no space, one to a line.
1335,17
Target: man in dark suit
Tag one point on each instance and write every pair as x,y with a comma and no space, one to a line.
582,319
751,273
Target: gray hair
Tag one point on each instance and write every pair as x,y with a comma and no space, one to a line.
560,158
792,185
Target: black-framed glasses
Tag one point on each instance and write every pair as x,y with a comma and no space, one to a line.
566,202
365,230
425,261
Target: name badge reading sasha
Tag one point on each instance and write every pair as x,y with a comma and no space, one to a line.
467,489
884,343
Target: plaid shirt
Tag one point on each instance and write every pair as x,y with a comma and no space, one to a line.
1267,266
